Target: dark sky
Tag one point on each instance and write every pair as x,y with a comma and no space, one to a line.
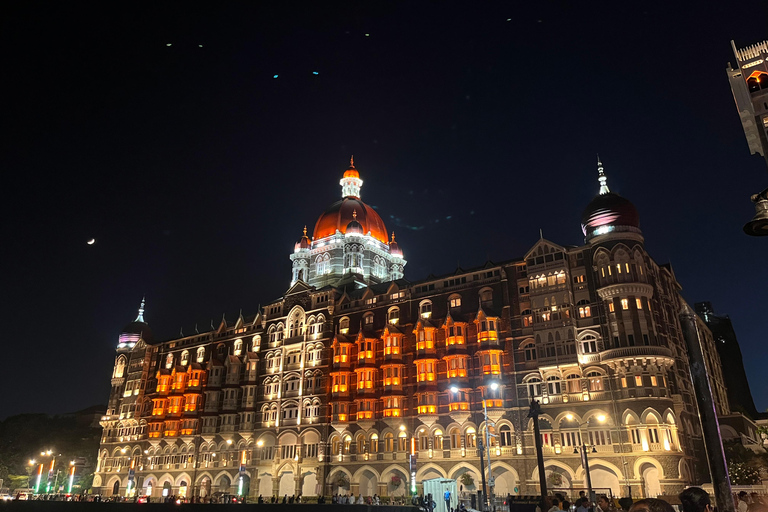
473,125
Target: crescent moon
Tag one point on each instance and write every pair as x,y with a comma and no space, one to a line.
91,241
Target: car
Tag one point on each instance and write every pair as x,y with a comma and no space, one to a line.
5,497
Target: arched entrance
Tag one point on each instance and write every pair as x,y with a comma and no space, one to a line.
265,485
309,487
651,483
368,483
243,485
116,488
167,488
604,479
183,489
224,484
505,481
287,484
205,487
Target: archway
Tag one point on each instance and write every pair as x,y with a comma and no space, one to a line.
368,483
205,487
224,484
265,485
505,481
183,489
309,487
651,483
167,488
116,488
149,485
604,479
397,482
287,485
243,485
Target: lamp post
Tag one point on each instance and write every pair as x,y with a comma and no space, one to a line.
534,413
585,453
491,483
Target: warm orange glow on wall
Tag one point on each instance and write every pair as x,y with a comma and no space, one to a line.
427,409
163,383
458,406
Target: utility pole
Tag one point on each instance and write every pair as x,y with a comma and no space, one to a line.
710,428
482,470
534,413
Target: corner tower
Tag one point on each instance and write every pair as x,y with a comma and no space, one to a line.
349,243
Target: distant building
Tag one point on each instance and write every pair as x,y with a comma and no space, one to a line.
360,381
749,84
739,394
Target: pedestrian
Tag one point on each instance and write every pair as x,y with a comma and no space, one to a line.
604,504
743,505
651,505
695,499
555,505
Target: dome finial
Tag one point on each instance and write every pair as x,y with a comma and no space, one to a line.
393,237
354,214
140,318
601,177
305,230
352,160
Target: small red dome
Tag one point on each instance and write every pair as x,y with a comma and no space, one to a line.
351,173
341,213
609,211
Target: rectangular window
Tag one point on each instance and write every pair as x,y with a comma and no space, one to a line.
623,382
646,341
653,381
639,303
624,303
638,380
610,307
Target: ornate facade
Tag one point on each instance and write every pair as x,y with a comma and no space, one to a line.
359,380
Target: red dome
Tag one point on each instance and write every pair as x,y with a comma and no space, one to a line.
341,213
609,211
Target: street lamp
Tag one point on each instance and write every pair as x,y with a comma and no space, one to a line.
585,453
491,483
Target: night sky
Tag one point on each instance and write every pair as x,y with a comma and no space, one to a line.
473,126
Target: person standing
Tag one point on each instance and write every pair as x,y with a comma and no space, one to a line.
447,498
743,505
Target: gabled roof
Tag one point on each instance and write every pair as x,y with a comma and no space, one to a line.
299,287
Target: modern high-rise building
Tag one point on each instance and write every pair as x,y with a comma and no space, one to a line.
359,381
734,376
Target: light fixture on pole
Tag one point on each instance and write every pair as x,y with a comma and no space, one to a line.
758,226
585,452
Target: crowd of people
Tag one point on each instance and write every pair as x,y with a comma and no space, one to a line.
693,499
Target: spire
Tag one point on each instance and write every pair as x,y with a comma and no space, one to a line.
601,177
352,161
393,237
140,318
305,230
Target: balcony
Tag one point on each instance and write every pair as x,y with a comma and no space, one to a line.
637,351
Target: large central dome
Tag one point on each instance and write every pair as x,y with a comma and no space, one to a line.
341,213
350,208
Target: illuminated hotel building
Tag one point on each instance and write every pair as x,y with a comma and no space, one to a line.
334,386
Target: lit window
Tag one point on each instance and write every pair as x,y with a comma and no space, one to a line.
456,302
610,307
654,382
623,382
394,315
638,380
589,344
425,310
585,312
624,303
639,303
391,345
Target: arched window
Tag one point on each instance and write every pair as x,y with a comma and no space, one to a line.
185,358
119,367
589,344
238,347
454,301
389,442
344,325
471,438
438,439
455,438
505,435
256,343
527,316
393,315
323,264
201,354
169,361
554,386
374,443
486,296
595,381
530,352
534,387
425,309
573,382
